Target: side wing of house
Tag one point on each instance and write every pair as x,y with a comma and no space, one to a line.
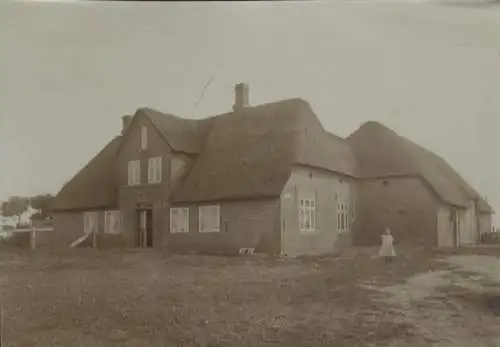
317,212
404,204
82,204
485,223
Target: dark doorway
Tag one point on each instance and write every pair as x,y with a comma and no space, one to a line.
144,235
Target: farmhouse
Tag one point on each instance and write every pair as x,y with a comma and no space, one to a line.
266,178
414,192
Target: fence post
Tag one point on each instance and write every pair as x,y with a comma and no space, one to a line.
33,239
2,337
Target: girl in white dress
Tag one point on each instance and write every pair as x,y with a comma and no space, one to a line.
387,247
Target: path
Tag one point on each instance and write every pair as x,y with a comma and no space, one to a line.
458,307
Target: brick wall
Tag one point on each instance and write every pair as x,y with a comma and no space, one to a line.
328,189
244,224
403,204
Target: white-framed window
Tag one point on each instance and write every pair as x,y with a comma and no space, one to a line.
179,220
353,210
112,222
154,170
144,137
342,217
209,218
90,222
307,215
134,172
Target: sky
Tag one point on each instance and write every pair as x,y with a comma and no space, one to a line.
70,71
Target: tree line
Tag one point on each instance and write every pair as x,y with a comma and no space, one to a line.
15,206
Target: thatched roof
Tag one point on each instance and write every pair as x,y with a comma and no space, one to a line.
383,153
250,153
95,186
182,135
239,155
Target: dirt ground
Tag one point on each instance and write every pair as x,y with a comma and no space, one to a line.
133,298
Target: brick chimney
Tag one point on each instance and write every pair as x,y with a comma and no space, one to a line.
125,123
241,96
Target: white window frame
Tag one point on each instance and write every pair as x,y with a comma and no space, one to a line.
343,222
144,138
90,222
352,206
186,219
207,208
155,170
307,215
134,172
108,214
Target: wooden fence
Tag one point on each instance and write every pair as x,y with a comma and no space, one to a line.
31,235
490,238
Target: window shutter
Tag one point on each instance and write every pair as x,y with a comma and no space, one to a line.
107,221
111,222
185,221
150,170
130,173
201,223
155,170
353,208
316,211
338,216
95,226
174,221
217,217
158,169
138,174
136,168
85,223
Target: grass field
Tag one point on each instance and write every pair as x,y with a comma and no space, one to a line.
146,298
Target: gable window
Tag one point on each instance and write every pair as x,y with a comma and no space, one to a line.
342,217
112,222
144,138
307,215
134,172
179,220
90,222
154,170
209,218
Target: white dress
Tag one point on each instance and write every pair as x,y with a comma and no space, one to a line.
387,249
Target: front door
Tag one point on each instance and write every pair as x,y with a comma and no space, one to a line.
145,228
